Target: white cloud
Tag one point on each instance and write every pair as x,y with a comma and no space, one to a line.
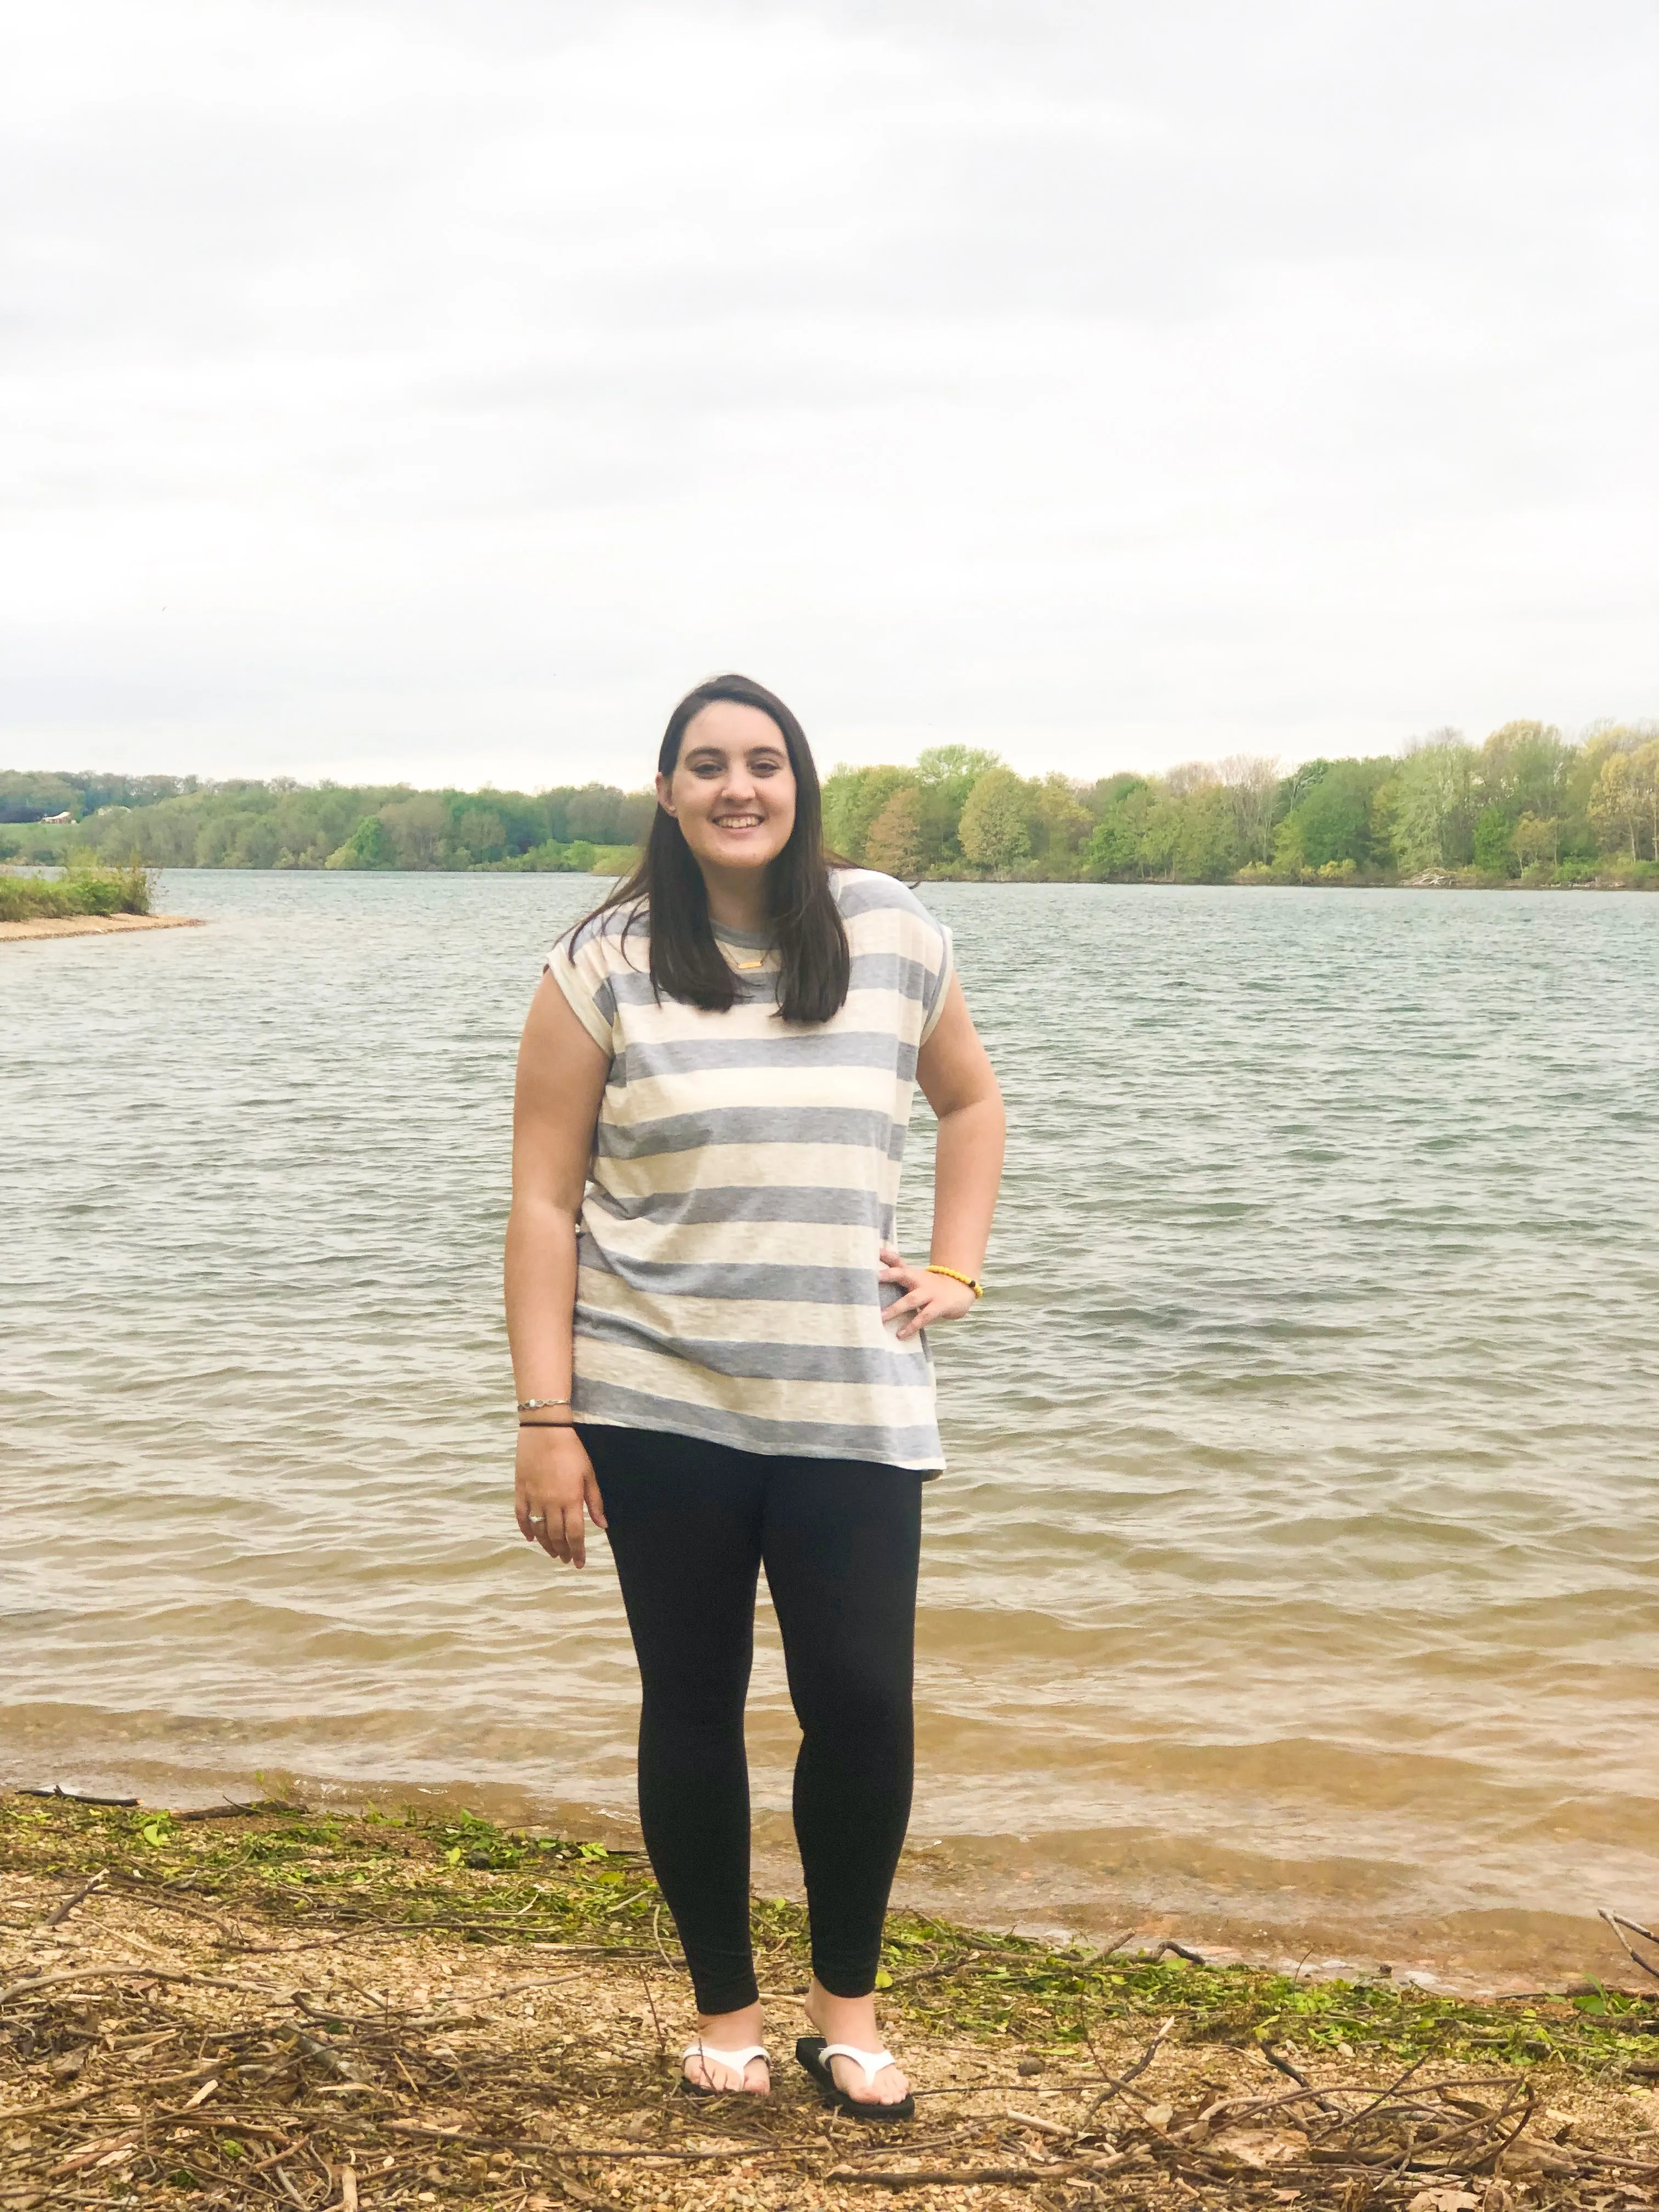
436,389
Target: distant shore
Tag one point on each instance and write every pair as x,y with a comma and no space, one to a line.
95,925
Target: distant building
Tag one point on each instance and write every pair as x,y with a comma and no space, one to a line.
48,818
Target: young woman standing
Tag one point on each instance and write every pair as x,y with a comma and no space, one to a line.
720,1353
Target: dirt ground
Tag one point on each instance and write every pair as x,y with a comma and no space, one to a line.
382,2011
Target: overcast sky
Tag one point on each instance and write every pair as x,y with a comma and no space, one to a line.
435,390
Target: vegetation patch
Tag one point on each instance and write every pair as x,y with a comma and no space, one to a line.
1526,808
269,2005
86,887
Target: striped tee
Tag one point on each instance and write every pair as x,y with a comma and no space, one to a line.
744,1173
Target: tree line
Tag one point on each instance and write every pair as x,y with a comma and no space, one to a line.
178,822
1525,807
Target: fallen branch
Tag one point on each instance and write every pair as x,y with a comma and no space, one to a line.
1280,2064
76,1797
230,1812
1117,2083
133,1974
60,1913
1617,1923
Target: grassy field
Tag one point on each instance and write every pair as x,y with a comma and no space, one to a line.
391,2009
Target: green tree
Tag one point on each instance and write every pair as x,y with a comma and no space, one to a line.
1334,821
1064,826
894,843
853,798
419,828
1494,841
1644,765
1251,783
1113,851
1160,833
1206,846
1524,769
945,775
369,845
993,831
480,835
1624,806
28,797
1537,838
1433,813
957,767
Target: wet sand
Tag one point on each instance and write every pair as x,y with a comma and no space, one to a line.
94,925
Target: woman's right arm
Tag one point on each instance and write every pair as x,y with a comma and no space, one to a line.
561,1077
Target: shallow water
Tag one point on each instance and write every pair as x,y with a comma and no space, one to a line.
1296,1582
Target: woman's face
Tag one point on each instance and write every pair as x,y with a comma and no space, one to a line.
733,791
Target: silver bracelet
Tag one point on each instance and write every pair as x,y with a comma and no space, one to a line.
533,1404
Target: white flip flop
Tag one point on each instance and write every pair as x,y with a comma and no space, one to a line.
738,2061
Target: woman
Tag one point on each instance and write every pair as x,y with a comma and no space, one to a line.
719,1351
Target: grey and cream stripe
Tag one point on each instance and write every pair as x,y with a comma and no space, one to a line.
744,1173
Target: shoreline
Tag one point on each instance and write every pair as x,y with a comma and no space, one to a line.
1439,882
94,925
425,2008
1472,1953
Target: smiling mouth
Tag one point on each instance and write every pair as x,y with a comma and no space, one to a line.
738,821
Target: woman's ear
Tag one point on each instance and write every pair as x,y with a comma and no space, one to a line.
664,786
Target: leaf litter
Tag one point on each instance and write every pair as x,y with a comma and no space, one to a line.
269,2006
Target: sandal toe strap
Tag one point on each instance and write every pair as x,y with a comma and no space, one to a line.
870,2061
737,2060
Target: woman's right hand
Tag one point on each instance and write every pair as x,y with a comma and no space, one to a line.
555,1482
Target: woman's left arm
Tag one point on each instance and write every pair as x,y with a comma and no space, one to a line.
958,1082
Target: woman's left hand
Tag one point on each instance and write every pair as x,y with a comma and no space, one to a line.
928,1298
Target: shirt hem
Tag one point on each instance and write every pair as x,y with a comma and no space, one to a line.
677,1420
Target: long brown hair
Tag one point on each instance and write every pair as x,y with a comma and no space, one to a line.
667,888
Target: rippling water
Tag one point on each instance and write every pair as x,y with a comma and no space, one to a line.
1297,1579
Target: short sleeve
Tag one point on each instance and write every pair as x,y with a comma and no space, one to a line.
580,966
938,983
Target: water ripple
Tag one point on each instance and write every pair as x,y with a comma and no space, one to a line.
1300,1547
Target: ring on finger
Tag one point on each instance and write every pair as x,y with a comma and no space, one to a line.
535,1519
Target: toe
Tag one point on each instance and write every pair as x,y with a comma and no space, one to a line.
889,2088
704,2072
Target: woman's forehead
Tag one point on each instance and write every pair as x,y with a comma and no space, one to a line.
727,725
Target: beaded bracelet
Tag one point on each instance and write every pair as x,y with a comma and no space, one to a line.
533,1404
977,1288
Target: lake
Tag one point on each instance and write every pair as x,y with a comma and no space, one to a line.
1295,1584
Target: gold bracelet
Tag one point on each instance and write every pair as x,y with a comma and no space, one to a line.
978,1289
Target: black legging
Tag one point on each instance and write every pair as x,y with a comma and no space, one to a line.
691,1524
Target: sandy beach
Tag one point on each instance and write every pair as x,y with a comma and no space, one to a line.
95,925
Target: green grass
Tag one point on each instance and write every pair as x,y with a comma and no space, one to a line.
86,888
478,1883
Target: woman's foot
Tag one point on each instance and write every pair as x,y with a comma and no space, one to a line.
853,2019
728,2030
